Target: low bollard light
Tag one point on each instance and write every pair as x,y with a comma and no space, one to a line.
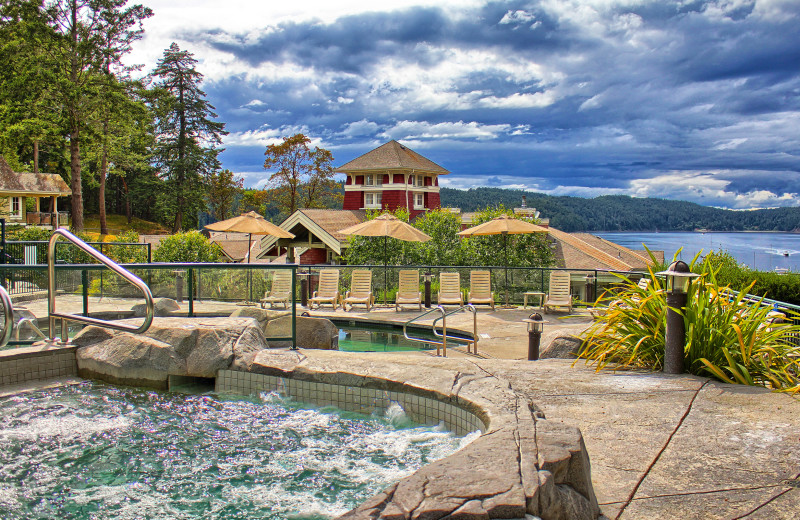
535,326
179,285
304,287
427,277
679,276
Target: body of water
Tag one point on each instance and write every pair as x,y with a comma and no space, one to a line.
762,251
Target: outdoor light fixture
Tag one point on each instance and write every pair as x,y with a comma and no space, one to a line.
679,276
535,326
427,277
303,275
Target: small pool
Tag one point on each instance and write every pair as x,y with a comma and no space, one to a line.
97,451
360,337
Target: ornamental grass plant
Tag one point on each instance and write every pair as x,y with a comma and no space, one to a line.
728,337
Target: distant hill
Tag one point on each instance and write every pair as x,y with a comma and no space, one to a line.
622,213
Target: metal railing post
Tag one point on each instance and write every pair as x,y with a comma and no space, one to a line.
294,308
8,314
190,283
85,284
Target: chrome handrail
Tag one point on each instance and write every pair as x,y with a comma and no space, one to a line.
8,314
443,343
33,326
468,307
94,253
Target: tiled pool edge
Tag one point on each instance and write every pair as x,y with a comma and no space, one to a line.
521,464
26,364
420,409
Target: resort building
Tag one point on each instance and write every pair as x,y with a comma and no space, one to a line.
389,177
17,187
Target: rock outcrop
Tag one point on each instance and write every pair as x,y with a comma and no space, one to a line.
312,333
162,307
196,347
562,347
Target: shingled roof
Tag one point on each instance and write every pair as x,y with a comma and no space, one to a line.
24,183
586,251
322,223
392,156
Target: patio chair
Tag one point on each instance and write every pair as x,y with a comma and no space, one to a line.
408,292
328,289
559,294
281,290
480,288
450,289
360,290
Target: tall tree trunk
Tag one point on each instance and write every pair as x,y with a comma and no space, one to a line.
176,227
35,156
75,180
101,196
74,134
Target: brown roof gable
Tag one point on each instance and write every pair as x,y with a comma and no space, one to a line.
392,156
31,183
332,220
585,251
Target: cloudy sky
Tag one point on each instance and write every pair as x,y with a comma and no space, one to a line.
691,100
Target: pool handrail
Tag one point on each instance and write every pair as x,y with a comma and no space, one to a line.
8,314
468,307
112,265
442,343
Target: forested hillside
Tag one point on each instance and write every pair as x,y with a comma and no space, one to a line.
622,213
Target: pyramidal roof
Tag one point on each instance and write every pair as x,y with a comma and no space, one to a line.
392,156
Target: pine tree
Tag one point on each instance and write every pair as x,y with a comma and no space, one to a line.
186,135
95,34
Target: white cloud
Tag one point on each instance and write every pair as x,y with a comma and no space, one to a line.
448,130
359,128
708,189
517,17
265,136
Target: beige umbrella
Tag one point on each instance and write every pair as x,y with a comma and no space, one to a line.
504,225
251,223
386,225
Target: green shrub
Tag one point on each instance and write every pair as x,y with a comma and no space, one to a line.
187,247
727,338
30,234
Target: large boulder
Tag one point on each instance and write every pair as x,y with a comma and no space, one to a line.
161,307
262,316
562,347
315,333
195,347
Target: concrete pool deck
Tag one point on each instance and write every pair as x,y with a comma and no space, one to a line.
660,446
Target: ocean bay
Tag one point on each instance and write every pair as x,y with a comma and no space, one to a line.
758,250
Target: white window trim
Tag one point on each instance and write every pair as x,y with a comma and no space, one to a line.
419,205
368,180
18,213
377,198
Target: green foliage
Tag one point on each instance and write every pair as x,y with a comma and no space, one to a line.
30,234
781,287
190,246
445,246
127,254
526,250
377,250
727,338
222,191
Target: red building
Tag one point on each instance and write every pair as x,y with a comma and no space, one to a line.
389,177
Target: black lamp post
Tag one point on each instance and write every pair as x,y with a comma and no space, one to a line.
427,277
678,279
535,327
304,287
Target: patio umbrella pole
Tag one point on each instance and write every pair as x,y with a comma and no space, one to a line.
385,269
505,250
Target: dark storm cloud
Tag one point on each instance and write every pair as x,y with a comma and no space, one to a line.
547,95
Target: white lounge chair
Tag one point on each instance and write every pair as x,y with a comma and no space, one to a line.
281,290
328,290
480,288
559,294
408,291
360,290
450,289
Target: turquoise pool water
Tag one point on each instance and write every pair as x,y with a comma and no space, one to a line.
93,451
374,338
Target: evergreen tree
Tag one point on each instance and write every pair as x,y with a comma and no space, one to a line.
93,36
186,136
